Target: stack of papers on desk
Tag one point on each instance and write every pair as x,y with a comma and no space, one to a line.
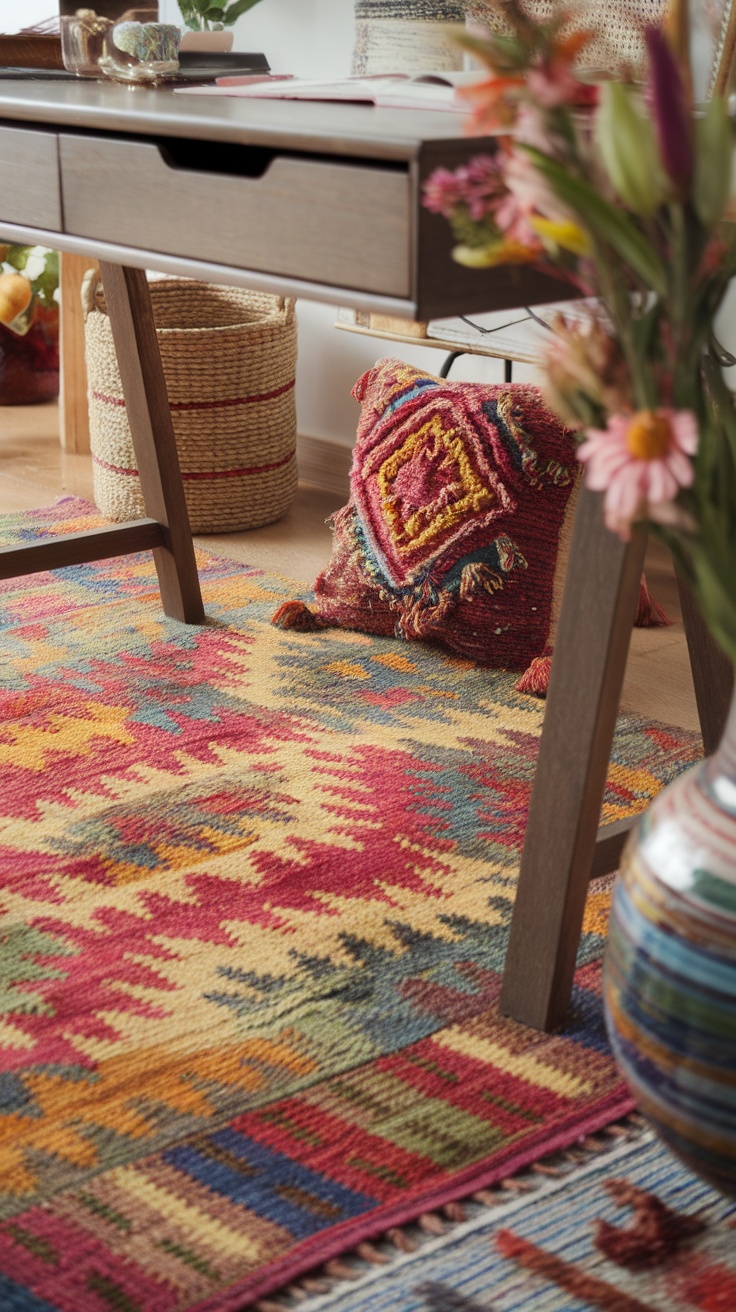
392,90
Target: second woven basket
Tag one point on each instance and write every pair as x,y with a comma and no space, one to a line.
229,359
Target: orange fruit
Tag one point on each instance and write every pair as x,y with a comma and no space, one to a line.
15,296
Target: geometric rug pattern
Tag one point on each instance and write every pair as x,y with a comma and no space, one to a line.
255,890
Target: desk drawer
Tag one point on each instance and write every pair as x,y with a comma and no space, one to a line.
29,178
343,224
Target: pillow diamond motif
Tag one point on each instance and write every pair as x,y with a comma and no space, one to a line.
423,488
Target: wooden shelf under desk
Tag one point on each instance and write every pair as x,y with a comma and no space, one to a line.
521,354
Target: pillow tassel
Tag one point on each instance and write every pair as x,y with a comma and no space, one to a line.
649,613
535,679
422,615
478,576
296,615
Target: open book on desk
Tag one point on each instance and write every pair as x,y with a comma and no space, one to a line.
393,90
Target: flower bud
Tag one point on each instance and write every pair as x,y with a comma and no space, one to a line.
672,111
627,145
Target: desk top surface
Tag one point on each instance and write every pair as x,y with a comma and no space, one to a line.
332,128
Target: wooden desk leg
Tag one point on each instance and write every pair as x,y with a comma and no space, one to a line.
73,410
131,318
711,669
593,637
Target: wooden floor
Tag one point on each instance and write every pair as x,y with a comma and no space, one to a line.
34,471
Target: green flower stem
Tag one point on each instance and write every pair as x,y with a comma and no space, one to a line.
618,303
680,275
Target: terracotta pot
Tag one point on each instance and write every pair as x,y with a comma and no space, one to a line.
670,971
29,365
209,42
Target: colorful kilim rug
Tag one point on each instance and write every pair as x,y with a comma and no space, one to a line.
633,1231
254,902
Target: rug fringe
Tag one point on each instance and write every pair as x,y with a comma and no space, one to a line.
407,1239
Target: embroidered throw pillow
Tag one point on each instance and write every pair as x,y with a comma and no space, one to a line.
457,526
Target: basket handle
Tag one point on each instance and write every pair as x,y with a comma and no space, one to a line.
93,297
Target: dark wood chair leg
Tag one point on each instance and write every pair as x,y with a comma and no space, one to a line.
588,667
131,318
711,669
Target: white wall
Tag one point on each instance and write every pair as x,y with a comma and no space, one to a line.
311,38
15,14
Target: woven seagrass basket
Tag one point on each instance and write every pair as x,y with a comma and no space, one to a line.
229,358
617,29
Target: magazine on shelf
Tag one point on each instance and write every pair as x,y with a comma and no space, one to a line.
523,331
390,90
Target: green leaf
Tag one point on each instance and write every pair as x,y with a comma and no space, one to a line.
627,146
47,282
721,403
605,222
715,590
505,54
714,143
235,11
17,257
643,329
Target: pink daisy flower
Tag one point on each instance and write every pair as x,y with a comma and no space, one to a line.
640,461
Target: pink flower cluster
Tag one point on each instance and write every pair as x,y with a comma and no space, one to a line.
477,186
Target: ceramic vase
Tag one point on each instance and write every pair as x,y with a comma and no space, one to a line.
670,969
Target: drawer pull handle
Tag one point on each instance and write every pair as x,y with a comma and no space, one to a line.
216,157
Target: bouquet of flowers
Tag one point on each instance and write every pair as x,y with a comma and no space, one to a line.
622,189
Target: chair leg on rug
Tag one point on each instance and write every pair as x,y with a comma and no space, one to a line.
593,637
711,669
131,318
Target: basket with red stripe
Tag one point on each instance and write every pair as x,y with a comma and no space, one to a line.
229,358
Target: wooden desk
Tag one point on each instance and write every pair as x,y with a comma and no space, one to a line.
320,201
314,200
304,199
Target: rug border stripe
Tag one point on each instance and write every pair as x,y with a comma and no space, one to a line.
341,1239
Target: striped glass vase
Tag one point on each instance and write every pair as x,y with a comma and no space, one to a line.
670,970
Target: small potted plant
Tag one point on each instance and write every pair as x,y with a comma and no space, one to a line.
207,21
